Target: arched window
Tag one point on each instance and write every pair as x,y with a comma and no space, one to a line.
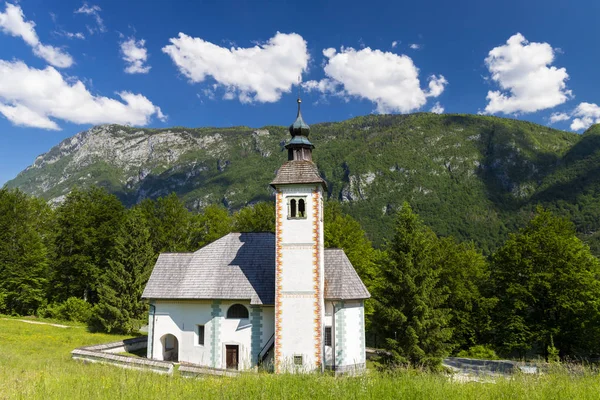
297,207
237,311
301,208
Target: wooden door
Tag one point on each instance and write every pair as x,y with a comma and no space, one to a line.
232,356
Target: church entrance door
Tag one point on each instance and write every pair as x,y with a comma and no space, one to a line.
232,356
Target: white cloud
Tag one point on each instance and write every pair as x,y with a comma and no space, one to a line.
12,22
394,44
31,97
526,78
559,116
586,114
53,55
437,84
260,73
437,108
389,80
415,46
135,55
94,11
70,35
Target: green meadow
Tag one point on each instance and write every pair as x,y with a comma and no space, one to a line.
35,363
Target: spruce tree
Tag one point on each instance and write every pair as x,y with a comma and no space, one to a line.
464,270
410,298
120,307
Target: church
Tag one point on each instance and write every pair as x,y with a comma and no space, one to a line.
282,301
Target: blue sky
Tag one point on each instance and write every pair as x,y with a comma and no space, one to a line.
67,65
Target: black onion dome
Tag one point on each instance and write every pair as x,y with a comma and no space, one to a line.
299,127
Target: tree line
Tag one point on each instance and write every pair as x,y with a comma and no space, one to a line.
538,295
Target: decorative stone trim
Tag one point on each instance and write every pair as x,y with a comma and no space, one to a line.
340,334
256,318
278,277
215,333
361,327
318,326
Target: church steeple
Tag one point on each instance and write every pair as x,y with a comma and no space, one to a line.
299,127
299,148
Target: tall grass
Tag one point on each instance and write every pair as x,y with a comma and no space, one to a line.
35,364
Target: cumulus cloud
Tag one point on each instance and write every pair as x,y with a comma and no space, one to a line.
35,97
93,11
585,115
12,22
527,80
415,46
260,73
389,80
437,108
559,116
394,44
135,55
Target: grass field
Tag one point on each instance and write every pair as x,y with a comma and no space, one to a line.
35,364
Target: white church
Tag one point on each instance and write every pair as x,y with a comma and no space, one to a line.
248,299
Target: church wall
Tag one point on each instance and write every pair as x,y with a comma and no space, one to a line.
181,319
299,280
349,336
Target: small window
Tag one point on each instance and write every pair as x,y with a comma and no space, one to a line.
327,336
201,335
297,207
237,311
297,360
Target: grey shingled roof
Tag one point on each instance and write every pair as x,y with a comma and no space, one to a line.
237,266
298,171
241,266
341,280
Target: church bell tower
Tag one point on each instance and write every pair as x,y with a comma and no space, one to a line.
299,273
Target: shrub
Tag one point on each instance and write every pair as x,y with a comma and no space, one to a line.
73,309
480,352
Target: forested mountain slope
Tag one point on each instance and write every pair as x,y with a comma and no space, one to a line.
474,177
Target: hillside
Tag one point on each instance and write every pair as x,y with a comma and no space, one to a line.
475,177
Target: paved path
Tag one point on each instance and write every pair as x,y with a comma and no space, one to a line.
41,323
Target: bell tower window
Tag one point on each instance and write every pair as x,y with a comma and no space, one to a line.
297,208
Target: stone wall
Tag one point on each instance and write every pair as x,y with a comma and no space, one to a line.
105,353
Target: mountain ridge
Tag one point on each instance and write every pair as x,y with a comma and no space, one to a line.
474,177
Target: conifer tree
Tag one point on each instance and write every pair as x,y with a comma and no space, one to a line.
120,307
463,271
409,310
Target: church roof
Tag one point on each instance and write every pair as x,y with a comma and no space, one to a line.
241,266
298,171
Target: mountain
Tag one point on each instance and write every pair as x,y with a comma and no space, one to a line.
474,177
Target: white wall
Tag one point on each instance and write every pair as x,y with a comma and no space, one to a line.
296,298
181,318
353,344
